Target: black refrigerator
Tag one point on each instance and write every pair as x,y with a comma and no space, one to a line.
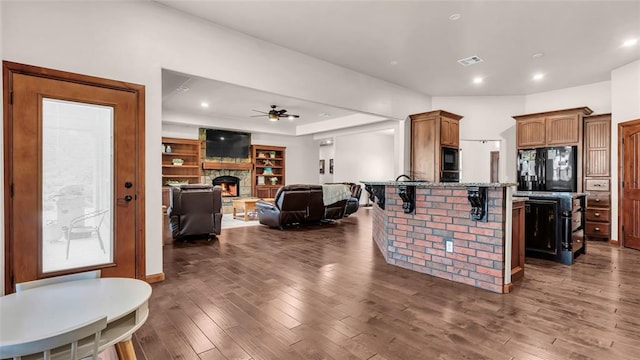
548,169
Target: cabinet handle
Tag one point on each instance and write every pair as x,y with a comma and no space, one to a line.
597,200
596,229
597,214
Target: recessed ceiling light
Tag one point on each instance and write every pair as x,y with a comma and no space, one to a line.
478,80
182,88
204,104
538,76
630,42
455,17
393,62
324,114
537,55
291,117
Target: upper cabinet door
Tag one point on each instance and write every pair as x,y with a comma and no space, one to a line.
445,132
597,138
563,129
449,132
531,132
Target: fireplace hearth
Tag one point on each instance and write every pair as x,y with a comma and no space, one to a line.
230,185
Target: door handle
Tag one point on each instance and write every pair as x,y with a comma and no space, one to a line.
128,198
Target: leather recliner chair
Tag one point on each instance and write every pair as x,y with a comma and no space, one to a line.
353,204
298,204
195,209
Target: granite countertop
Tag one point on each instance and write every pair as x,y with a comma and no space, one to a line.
549,194
436,184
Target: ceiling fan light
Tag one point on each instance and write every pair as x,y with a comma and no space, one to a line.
273,117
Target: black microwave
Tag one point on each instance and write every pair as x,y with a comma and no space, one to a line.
449,161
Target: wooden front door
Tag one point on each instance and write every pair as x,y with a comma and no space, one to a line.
629,204
74,175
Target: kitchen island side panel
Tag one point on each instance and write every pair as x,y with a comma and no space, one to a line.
417,241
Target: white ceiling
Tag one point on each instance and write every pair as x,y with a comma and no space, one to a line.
581,42
235,106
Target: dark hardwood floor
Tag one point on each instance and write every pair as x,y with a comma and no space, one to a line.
325,292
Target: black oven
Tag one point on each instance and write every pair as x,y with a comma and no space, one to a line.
449,159
449,176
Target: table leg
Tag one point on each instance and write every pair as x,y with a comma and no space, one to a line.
125,350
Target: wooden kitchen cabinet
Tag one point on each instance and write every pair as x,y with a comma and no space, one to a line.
563,129
449,132
597,146
531,132
517,239
553,128
597,176
430,132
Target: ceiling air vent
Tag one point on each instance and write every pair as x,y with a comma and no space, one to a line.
470,60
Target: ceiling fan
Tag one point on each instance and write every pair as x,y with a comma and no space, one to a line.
275,115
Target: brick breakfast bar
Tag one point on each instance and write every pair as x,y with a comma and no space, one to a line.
415,238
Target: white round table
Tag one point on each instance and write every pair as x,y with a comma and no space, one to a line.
53,309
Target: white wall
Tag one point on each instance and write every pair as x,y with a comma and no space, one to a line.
367,156
475,157
488,118
132,41
326,153
596,96
625,95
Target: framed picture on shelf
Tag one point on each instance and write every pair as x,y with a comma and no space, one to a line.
260,180
330,166
322,166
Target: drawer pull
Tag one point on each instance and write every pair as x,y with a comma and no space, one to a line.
597,214
596,229
597,200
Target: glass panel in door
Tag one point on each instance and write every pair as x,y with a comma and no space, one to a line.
77,185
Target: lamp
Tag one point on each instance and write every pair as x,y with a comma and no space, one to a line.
273,116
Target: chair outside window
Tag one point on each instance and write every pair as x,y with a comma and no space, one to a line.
85,226
62,346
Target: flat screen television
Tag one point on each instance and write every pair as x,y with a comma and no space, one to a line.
224,143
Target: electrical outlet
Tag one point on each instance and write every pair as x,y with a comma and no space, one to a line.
449,245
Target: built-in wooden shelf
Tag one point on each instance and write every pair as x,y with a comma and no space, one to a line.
214,165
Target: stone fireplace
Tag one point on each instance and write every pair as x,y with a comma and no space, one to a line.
242,186
230,185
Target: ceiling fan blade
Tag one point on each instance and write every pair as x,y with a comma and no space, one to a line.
259,111
282,112
258,115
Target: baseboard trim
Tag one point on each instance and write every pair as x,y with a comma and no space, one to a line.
154,278
506,288
614,243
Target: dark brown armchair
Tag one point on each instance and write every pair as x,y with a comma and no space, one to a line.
353,204
195,209
299,204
